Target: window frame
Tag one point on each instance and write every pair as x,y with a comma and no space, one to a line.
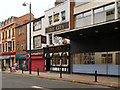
34,42
56,17
63,15
37,24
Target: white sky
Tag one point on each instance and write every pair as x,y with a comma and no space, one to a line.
10,8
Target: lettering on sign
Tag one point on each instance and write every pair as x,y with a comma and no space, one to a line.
58,27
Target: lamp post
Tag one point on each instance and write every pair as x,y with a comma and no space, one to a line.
25,4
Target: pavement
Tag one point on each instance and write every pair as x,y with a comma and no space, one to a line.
113,82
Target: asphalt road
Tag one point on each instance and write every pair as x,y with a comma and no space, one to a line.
21,81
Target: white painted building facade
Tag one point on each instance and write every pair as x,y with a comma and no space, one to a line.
56,16
37,31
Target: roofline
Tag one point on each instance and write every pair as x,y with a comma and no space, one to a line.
31,21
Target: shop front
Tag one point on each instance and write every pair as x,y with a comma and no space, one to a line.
95,48
37,60
21,59
57,57
7,60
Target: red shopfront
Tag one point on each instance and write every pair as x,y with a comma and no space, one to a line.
37,60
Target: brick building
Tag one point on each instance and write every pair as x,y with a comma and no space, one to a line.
8,37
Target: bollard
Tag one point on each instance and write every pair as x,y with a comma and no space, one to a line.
38,71
22,70
60,71
95,75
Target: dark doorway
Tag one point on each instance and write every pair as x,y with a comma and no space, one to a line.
8,62
48,64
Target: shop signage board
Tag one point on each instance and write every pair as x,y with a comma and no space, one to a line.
21,56
57,27
4,57
61,48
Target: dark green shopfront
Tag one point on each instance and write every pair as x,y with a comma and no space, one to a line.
21,59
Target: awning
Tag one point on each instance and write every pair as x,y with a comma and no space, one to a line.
93,31
4,57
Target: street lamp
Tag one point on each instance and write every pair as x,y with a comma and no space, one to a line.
25,4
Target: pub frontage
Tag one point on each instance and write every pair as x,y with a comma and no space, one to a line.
56,57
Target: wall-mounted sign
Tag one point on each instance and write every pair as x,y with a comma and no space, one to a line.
58,27
54,49
43,39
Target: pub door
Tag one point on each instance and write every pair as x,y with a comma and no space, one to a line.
48,64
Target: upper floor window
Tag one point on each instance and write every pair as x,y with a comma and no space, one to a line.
13,45
50,20
10,46
63,15
3,47
18,48
56,17
6,34
80,2
0,47
37,25
6,47
9,33
20,31
23,45
13,32
3,35
37,41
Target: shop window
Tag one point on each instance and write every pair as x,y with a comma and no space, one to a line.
18,48
63,15
117,58
50,39
106,58
64,59
53,61
37,42
50,20
37,25
23,45
56,17
56,59
84,58
76,58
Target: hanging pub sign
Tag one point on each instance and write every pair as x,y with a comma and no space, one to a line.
43,39
57,27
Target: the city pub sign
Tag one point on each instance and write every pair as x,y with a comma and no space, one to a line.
57,27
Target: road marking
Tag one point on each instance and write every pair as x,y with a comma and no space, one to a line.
38,87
